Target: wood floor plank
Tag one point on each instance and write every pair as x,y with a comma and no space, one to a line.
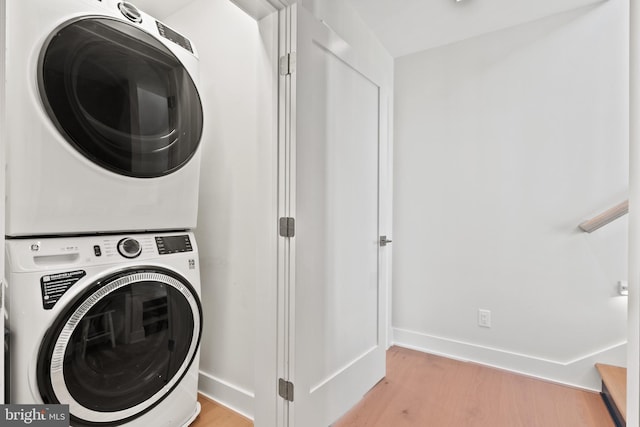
426,390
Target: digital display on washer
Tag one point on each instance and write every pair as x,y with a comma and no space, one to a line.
173,244
178,39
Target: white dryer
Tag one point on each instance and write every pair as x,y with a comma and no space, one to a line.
110,325
103,120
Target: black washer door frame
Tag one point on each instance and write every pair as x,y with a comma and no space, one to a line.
55,346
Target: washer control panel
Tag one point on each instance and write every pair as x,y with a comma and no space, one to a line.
51,255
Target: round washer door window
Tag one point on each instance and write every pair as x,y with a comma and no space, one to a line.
122,347
120,97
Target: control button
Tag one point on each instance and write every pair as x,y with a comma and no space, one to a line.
97,251
35,247
129,248
130,12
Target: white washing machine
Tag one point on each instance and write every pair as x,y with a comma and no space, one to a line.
103,120
110,325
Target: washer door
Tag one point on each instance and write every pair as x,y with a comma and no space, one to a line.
122,347
120,97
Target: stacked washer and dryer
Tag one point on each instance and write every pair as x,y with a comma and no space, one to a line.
103,128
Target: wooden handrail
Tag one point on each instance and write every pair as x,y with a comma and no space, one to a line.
605,217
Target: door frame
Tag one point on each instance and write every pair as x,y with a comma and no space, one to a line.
633,302
269,408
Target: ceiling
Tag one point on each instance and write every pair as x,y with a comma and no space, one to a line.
408,26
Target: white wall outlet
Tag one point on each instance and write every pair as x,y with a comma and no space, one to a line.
623,287
484,318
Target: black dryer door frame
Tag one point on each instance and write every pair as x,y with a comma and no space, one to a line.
120,97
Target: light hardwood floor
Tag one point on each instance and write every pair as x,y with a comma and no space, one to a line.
422,390
425,390
213,414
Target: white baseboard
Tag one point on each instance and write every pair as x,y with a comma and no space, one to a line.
579,372
227,394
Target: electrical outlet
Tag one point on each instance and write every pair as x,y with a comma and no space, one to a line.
484,318
623,287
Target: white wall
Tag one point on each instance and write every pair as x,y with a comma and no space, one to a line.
228,42
503,145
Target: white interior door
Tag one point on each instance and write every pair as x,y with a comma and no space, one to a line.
336,297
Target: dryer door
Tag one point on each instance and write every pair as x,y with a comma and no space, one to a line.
121,347
120,97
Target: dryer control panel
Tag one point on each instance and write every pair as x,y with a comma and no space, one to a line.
175,37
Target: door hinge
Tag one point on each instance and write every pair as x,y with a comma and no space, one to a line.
285,390
288,64
287,227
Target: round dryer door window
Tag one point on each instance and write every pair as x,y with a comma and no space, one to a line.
120,97
121,347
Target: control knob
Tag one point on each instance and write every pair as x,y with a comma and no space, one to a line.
130,12
129,248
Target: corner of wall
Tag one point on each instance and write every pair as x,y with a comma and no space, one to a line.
227,394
